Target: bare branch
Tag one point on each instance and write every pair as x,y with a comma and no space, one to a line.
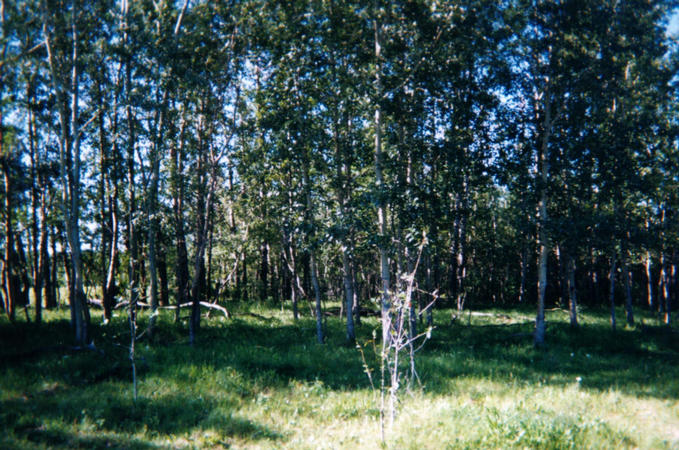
181,17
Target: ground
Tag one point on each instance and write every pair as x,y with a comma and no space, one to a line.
258,380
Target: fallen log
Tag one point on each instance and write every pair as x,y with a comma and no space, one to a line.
203,304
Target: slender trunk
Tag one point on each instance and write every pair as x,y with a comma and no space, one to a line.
543,234
8,216
22,278
264,271
317,297
152,230
201,227
73,221
66,86
461,263
38,273
177,188
68,273
611,292
110,284
162,272
53,296
8,272
309,218
428,286
105,220
572,291
133,265
199,259
542,267
294,279
356,306
381,207
207,173
244,278
44,255
665,289
209,289
627,278
524,270
342,180
649,280
348,294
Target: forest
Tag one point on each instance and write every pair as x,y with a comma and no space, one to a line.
184,179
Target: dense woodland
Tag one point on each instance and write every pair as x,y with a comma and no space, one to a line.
193,154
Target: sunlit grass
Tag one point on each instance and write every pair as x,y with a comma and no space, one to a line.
260,380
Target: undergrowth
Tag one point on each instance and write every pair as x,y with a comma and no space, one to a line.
260,380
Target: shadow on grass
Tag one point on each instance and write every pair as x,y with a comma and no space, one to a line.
110,410
634,361
245,357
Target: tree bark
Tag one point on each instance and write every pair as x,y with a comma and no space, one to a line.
648,263
70,160
162,272
543,234
53,290
611,291
379,182
572,291
38,272
627,279
8,266
177,189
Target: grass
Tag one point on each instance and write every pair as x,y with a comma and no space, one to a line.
261,381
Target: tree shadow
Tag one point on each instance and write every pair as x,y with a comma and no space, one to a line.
84,388
111,410
633,361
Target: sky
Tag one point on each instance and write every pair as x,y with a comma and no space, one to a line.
673,27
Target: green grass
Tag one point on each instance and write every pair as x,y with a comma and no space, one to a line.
251,382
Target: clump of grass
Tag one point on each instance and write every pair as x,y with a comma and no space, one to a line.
261,381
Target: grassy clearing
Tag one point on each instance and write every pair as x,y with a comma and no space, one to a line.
261,381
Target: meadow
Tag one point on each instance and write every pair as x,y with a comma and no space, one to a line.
258,380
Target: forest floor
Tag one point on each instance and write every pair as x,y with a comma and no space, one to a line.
259,380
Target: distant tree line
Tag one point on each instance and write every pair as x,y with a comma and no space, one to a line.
195,153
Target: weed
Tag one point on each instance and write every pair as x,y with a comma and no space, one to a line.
251,382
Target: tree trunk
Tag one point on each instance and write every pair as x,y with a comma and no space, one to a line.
461,263
38,272
381,207
112,266
177,190
162,272
611,292
663,283
264,271
22,277
69,162
294,279
8,266
572,291
317,297
152,230
53,284
649,280
627,278
543,234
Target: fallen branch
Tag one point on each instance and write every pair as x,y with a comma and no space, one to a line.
204,304
126,303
